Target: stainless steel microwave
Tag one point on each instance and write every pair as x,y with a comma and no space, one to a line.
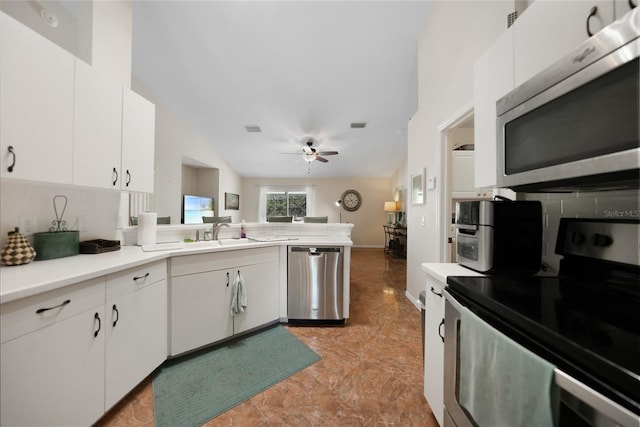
575,125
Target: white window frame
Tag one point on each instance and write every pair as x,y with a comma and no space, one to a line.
266,189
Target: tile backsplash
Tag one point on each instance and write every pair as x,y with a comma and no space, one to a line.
95,213
607,204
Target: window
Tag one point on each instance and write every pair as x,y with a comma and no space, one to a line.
286,204
285,200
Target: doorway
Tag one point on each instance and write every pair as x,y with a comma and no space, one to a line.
456,134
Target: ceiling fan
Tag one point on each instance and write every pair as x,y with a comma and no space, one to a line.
309,153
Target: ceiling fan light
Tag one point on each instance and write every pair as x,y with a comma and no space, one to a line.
308,158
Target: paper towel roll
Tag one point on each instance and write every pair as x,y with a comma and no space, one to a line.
147,224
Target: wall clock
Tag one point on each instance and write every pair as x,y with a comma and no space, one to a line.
351,200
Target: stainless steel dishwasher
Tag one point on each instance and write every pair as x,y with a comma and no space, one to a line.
314,284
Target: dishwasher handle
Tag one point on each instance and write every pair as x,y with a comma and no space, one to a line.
313,250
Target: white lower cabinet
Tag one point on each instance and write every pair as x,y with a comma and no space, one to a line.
436,281
136,328
53,373
434,347
261,281
200,295
200,309
68,355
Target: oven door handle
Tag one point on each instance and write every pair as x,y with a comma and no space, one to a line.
470,227
575,394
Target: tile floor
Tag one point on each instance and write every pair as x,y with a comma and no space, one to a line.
370,373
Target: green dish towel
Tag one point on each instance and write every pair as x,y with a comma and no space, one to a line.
238,296
501,382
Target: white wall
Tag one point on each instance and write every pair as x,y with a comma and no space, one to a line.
454,36
368,220
177,142
19,200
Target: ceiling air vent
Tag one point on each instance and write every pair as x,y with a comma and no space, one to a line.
253,128
356,125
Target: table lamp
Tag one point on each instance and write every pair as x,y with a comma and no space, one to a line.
390,208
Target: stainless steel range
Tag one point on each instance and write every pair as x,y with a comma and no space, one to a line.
585,322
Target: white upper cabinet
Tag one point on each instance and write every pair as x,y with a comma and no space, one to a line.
462,176
63,121
138,143
36,105
97,130
548,30
114,134
492,79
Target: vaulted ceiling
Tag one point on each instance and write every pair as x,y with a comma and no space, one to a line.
295,69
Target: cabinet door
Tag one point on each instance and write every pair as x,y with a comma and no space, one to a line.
138,142
200,309
492,79
36,105
97,129
55,375
463,179
136,335
261,282
434,348
622,7
549,30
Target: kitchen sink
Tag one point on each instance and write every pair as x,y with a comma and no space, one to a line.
234,242
202,244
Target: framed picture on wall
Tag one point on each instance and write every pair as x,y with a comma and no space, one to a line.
231,201
418,195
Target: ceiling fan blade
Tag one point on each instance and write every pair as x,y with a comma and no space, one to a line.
321,159
327,153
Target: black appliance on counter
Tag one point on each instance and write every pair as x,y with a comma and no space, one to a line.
499,235
585,321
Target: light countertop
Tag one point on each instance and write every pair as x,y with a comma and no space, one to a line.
441,270
41,276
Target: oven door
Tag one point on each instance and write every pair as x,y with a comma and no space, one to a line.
474,246
579,404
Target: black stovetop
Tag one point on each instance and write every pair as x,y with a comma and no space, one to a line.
590,332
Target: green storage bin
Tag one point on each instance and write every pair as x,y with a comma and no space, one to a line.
57,244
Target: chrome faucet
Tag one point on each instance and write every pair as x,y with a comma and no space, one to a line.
216,228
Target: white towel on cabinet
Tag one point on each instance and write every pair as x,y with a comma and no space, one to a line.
238,295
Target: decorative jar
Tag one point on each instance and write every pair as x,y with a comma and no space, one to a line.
17,250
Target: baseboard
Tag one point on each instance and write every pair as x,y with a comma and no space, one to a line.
415,302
